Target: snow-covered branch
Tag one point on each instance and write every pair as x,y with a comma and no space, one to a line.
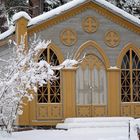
23,72
20,73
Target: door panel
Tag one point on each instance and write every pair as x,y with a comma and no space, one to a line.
91,87
130,109
49,111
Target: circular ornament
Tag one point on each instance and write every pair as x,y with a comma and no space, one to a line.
112,38
68,37
90,24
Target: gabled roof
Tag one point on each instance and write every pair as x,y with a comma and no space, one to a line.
65,11
75,3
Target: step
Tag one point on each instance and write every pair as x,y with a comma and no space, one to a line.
91,125
92,122
98,119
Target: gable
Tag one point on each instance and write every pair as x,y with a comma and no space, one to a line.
102,10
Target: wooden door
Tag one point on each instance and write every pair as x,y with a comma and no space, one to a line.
91,87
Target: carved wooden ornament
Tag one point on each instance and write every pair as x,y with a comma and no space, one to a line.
112,39
68,37
90,24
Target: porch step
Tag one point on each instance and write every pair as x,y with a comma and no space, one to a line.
91,125
99,122
98,119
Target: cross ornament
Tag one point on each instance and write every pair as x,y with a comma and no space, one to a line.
90,24
68,37
112,39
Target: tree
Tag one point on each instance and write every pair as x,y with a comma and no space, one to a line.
130,6
3,21
51,4
20,74
14,6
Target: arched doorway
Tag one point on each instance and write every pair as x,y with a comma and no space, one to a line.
130,84
49,96
91,87
91,81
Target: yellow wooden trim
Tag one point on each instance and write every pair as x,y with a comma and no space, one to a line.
71,69
56,50
21,31
6,40
91,110
48,84
113,83
69,89
130,109
112,69
131,76
123,52
78,9
45,123
93,44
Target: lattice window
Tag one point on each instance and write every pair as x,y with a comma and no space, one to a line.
130,77
50,93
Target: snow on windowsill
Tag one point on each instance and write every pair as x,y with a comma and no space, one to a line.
114,67
68,63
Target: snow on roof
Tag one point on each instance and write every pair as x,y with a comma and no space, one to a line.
19,15
119,11
8,32
65,7
55,11
11,29
74,3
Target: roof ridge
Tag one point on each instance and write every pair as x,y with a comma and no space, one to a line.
72,4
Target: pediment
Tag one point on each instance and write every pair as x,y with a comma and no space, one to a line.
73,11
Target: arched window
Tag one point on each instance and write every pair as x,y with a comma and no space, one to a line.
130,77
50,93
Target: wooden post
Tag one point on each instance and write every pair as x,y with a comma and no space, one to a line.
21,31
113,92
69,92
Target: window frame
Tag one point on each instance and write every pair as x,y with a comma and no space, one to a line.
130,70
47,55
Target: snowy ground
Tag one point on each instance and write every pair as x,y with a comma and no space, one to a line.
83,129
72,134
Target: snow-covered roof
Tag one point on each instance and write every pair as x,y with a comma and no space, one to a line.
50,14
10,31
74,3
55,11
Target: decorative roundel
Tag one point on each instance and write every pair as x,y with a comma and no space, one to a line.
90,24
112,38
68,37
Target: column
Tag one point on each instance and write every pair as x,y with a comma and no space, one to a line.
113,75
69,92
